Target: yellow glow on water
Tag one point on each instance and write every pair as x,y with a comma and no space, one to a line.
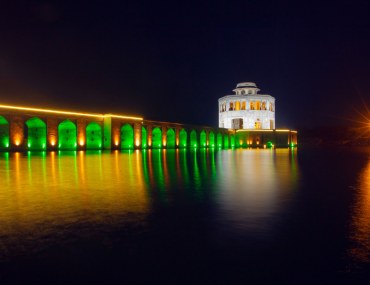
59,186
360,225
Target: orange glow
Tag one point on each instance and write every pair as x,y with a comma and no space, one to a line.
17,142
68,112
137,142
81,142
52,142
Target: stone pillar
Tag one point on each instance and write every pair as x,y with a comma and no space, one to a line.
149,130
81,134
52,133
116,134
137,135
17,134
164,136
177,137
107,133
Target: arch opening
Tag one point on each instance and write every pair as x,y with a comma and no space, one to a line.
193,139
203,139
219,140
211,139
4,133
67,135
226,141
171,138
144,137
183,138
94,136
156,138
127,137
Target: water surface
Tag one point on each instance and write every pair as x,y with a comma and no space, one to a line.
177,215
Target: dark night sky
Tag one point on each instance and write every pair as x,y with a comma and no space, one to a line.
171,61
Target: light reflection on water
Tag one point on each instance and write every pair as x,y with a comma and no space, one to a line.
360,224
255,187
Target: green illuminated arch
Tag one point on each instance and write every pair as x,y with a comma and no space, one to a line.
219,140
171,138
67,135
144,137
183,138
203,139
156,138
211,139
127,137
226,141
94,137
36,134
232,140
193,139
4,133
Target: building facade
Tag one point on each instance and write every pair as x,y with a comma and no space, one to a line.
247,109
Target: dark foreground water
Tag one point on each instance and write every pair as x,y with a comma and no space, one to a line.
183,216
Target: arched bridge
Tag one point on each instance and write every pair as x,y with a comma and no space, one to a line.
24,128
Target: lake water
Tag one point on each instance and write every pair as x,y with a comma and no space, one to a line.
183,215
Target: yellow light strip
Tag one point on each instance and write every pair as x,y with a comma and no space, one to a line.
123,117
282,130
19,108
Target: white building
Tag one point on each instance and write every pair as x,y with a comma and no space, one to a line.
246,109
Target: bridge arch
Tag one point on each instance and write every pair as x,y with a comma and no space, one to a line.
156,138
232,140
211,139
183,138
226,141
36,134
203,139
219,140
4,133
67,135
193,138
94,136
144,137
171,138
127,137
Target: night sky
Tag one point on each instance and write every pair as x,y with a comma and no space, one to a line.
171,61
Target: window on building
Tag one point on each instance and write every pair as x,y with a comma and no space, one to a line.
237,105
258,105
252,105
231,106
263,105
243,105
